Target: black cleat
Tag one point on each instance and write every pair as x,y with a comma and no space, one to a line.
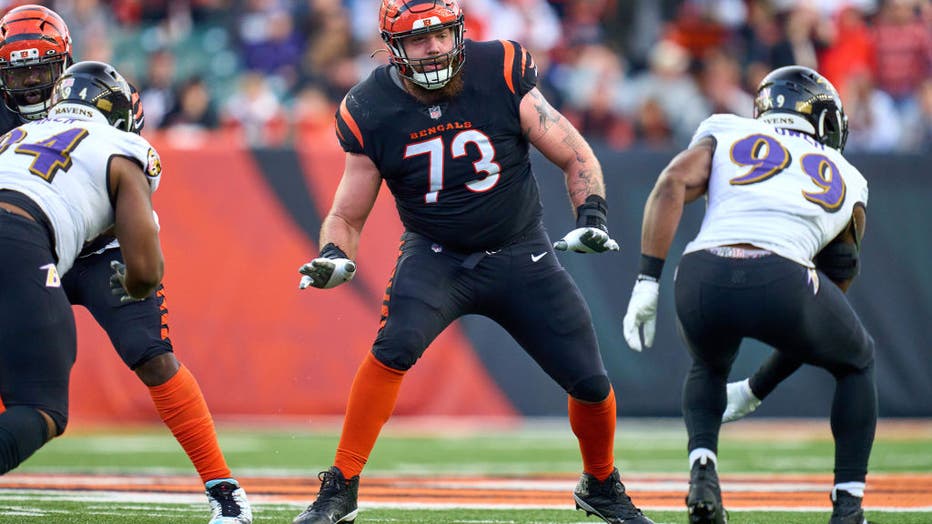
336,500
704,501
846,508
607,500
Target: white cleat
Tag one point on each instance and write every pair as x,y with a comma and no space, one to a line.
741,401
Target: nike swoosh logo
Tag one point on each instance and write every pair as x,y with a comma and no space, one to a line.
535,258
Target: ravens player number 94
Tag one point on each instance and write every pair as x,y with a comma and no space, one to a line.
35,50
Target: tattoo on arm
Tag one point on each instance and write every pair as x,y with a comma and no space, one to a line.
586,182
545,114
567,148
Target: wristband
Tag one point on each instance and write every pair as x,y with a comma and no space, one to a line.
650,267
332,251
593,213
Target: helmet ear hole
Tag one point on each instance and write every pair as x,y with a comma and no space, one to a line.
821,128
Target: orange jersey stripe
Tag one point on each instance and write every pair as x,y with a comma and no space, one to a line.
350,122
339,133
388,289
163,312
523,62
509,63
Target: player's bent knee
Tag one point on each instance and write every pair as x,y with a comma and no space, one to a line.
158,369
55,424
399,349
23,430
591,389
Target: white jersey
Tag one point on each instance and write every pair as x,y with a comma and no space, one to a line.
61,164
775,188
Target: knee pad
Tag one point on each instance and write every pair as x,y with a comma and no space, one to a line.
58,416
591,389
400,348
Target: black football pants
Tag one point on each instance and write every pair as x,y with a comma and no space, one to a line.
720,301
137,330
522,287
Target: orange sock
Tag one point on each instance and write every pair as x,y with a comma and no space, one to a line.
371,402
183,409
594,426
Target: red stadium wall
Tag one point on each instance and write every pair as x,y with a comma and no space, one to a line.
258,345
238,223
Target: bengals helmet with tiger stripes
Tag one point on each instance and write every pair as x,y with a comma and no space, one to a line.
399,19
35,48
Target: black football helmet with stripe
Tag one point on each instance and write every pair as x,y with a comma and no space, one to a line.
797,97
99,86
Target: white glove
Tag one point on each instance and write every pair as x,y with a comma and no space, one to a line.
586,240
325,273
640,321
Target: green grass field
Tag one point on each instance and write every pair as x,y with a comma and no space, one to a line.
645,450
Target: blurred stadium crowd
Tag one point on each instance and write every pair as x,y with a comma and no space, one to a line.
630,73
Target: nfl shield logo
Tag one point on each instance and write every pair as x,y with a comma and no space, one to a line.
434,112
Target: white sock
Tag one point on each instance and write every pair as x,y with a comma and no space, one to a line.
853,488
704,454
748,393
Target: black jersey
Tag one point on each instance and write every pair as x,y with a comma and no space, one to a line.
459,170
8,119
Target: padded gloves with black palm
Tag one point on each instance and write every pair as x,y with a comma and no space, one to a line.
591,233
330,269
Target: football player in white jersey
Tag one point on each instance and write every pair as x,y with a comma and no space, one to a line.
64,181
779,195
35,47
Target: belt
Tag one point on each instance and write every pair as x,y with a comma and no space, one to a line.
738,252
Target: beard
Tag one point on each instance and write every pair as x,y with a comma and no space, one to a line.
431,96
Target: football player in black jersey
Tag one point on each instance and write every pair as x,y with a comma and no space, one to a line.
448,125
35,48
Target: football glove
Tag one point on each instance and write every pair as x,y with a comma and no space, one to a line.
640,321
586,240
330,269
591,233
117,280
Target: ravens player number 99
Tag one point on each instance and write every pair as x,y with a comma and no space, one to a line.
448,124
778,244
